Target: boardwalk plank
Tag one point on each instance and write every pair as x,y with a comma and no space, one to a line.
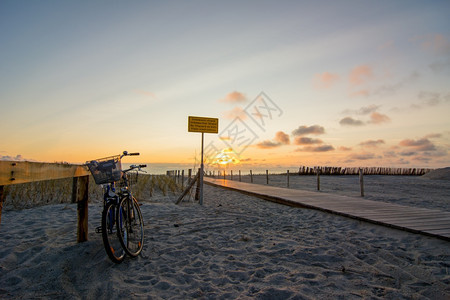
413,219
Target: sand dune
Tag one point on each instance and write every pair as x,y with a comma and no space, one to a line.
235,246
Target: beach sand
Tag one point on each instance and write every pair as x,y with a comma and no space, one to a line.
234,246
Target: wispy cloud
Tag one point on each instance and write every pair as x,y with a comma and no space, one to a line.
377,118
349,121
302,140
235,113
372,143
321,148
268,144
282,138
325,80
422,144
234,97
436,43
304,130
360,74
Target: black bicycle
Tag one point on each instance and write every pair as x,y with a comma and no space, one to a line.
122,225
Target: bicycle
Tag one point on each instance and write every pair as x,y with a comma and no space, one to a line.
122,224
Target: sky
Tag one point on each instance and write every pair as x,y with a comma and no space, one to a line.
293,83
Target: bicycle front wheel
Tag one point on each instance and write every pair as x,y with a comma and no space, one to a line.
111,242
131,226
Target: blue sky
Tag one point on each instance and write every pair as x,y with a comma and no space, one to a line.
86,79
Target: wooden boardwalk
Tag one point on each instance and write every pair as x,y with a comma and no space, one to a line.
430,222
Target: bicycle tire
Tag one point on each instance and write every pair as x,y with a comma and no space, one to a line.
131,229
112,244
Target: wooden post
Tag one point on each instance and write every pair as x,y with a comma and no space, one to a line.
182,179
224,174
267,176
190,174
82,208
2,197
318,179
287,173
231,175
251,176
239,175
74,190
361,182
188,188
197,191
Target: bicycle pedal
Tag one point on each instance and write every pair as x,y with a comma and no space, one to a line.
98,229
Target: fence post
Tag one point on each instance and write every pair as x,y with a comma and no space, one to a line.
224,175
318,179
182,179
231,178
74,189
239,175
251,176
287,173
2,196
361,181
82,208
267,176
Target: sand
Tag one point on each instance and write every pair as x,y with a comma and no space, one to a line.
234,246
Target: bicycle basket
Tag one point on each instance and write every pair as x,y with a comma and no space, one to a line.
105,170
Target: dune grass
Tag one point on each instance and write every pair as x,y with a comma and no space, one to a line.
27,195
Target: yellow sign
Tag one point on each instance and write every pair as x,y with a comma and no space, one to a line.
201,124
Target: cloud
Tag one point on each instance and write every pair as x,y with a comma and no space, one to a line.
145,93
301,140
343,148
422,144
439,67
377,118
325,80
433,135
282,138
304,130
372,143
362,156
360,75
360,93
234,97
235,113
349,121
436,43
365,110
392,88
18,157
322,148
430,98
268,144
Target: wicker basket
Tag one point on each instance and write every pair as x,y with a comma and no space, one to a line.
106,170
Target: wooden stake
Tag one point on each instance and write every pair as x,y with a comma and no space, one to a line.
361,182
267,176
239,175
318,179
2,196
82,208
287,173
251,176
188,188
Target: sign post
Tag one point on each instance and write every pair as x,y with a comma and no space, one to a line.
203,125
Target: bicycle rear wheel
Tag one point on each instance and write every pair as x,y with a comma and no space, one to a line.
111,242
131,229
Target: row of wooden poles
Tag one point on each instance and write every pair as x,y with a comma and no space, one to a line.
367,171
179,176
